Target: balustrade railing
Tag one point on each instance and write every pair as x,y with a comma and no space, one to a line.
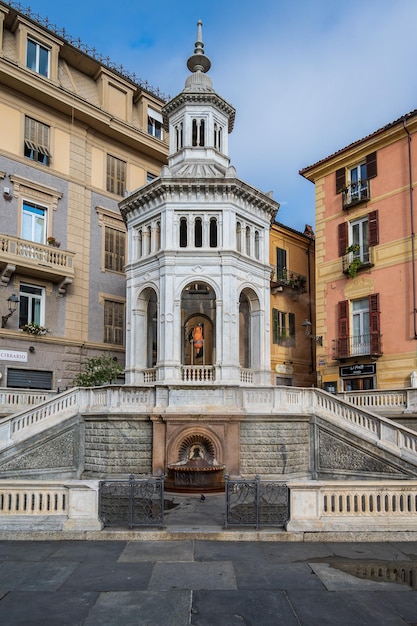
198,373
12,400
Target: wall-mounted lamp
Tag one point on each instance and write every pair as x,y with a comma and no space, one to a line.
307,328
32,349
13,301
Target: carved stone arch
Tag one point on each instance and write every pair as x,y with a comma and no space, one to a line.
147,310
191,435
249,329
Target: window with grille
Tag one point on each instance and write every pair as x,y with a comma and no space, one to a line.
37,141
116,175
114,249
114,315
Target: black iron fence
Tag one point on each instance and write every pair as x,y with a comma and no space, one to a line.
132,502
256,503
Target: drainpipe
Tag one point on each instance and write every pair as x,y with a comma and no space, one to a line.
410,174
312,364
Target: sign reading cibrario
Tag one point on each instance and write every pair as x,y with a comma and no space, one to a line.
13,355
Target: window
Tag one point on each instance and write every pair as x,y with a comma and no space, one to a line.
281,264
34,223
198,131
218,137
183,232
179,136
356,188
37,141
155,123
256,244
114,249
283,328
213,232
31,305
114,314
116,175
363,317
37,57
198,233
360,236
150,177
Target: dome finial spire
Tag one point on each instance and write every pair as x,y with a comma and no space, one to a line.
199,62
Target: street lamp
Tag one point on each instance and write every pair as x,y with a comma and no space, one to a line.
307,328
13,301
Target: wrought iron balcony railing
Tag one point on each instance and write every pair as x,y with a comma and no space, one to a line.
356,193
358,345
354,262
286,278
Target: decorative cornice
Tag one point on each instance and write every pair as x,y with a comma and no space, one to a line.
213,186
204,97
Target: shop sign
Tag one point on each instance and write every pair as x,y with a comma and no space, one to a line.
13,355
359,369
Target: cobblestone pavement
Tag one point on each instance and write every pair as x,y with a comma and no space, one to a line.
206,583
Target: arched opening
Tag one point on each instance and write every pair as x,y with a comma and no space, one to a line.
198,232
183,232
250,330
198,309
146,330
244,332
213,232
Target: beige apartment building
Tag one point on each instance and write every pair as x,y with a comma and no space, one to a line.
76,137
366,302
293,343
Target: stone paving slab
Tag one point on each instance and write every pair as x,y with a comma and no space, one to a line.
24,608
86,551
238,608
144,608
166,551
282,576
109,577
193,576
404,604
34,576
374,551
229,551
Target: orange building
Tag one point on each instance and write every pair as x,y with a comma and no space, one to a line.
292,302
365,260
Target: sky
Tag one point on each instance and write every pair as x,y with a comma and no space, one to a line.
306,77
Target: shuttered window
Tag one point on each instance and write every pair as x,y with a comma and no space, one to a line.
29,379
114,249
114,315
340,179
281,263
116,175
37,141
342,234
283,328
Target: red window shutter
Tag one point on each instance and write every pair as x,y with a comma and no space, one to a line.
342,233
374,324
343,339
373,228
371,169
340,179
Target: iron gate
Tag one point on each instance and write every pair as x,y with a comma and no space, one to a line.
132,502
256,503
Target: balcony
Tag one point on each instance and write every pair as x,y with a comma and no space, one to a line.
355,193
358,260
358,345
35,259
285,278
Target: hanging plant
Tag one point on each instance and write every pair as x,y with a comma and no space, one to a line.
356,262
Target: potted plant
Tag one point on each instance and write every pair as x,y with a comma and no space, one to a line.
53,242
34,329
356,262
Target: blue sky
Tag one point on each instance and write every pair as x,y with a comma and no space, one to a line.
307,77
